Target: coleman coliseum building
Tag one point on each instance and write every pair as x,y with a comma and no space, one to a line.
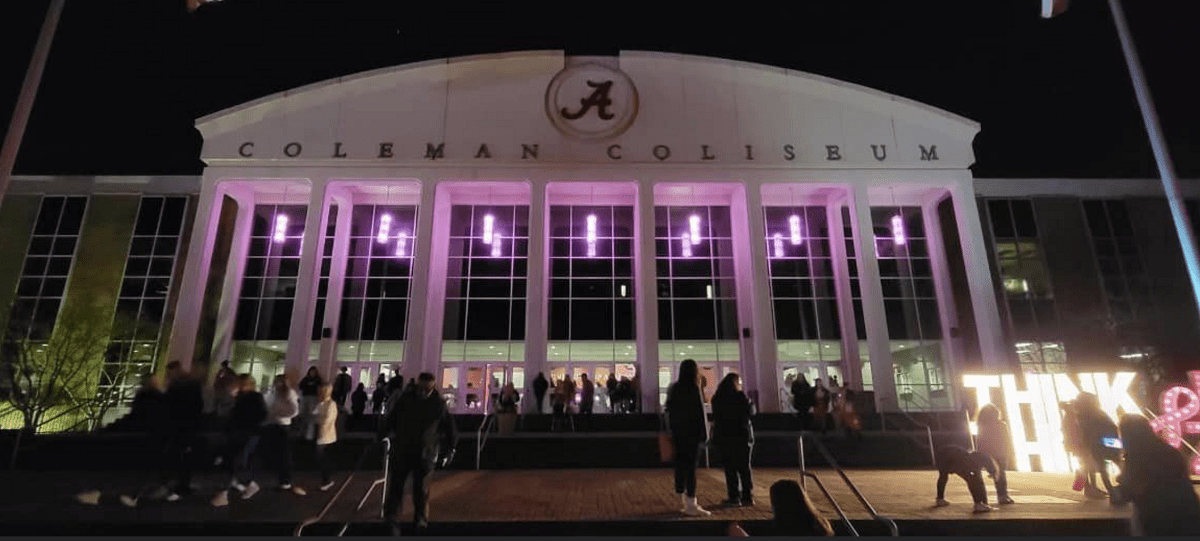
489,218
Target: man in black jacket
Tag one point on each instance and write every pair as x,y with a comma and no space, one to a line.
417,422
540,385
342,385
185,407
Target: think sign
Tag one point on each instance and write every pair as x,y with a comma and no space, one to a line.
1175,420
1043,393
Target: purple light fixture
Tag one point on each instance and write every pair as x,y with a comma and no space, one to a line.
694,226
385,226
402,244
778,239
281,223
591,235
496,238
488,222
898,235
794,227
686,240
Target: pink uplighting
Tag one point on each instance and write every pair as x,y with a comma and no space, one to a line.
778,239
496,239
488,222
385,226
694,225
281,223
591,235
794,226
686,239
898,231
402,244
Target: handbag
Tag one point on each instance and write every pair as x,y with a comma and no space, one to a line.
666,446
1079,481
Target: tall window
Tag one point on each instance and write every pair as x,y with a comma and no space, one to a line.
264,312
697,304
803,288
486,283
47,266
1026,283
375,301
149,267
591,284
910,305
1122,271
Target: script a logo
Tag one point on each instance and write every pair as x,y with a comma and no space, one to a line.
591,102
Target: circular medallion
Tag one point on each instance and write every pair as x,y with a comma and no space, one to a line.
591,102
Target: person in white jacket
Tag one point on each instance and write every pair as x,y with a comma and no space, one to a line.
325,415
283,405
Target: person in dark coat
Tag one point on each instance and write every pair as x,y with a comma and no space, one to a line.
341,387
185,413
734,437
1096,427
148,415
611,386
540,386
802,400
244,427
421,430
688,425
952,459
1155,479
380,395
358,401
395,385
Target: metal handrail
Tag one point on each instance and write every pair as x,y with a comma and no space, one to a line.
381,481
329,505
889,523
828,496
481,437
928,433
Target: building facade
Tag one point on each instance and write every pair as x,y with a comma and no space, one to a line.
490,218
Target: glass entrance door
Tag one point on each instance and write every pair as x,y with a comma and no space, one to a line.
825,371
475,388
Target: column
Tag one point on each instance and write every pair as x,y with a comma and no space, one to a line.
646,284
189,307
436,251
537,303
415,360
327,357
845,294
952,350
883,375
996,352
234,271
300,333
760,355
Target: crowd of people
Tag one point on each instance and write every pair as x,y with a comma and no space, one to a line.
820,408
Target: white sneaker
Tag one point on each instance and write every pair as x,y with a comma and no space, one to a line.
221,499
982,508
299,491
128,501
173,497
285,486
694,510
325,487
218,460
238,486
89,497
683,503
942,503
251,490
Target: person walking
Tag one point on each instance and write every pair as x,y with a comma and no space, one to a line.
341,387
689,430
1099,444
358,402
587,396
421,429
733,434
283,405
245,431
994,440
185,411
802,400
148,415
540,386
1155,479
325,415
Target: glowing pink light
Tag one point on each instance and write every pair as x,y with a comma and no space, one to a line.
591,248
402,244
686,239
778,238
488,222
898,231
694,225
591,228
385,226
794,226
281,223
496,238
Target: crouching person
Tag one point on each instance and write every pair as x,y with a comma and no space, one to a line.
953,459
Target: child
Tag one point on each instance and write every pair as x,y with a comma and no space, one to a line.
994,441
325,420
956,460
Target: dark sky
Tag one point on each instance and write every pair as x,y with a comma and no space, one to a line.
126,78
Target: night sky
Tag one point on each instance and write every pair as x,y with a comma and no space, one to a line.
127,78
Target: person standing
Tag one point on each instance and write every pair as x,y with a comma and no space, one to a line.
733,434
421,429
802,400
283,405
1096,427
611,386
994,441
1155,479
689,430
587,396
540,385
308,400
821,406
358,401
380,395
341,388
325,416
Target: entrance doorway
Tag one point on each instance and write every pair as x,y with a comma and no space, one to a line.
475,388
826,371
367,374
598,373
711,374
